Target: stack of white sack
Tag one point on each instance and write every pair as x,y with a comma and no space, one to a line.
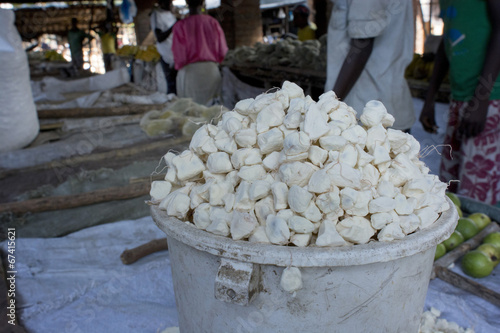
18,117
284,169
109,80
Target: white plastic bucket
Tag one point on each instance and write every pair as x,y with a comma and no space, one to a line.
223,285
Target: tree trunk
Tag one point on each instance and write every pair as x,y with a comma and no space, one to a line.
141,20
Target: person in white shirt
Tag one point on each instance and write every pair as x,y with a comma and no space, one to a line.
370,43
162,22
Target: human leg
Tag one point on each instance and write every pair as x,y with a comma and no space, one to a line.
171,81
474,162
170,76
108,58
77,61
180,81
479,173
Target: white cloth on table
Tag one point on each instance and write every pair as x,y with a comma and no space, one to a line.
391,24
77,283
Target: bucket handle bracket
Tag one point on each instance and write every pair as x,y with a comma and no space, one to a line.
236,282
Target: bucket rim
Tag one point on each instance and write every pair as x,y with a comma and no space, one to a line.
310,256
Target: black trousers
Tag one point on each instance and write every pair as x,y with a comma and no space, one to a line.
108,59
170,76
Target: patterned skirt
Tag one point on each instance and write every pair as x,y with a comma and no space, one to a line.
474,162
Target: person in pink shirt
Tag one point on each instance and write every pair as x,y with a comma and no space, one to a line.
198,45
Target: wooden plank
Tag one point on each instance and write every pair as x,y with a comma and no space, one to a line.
160,176
102,123
112,154
467,284
51,126
19,182
97,112
76,200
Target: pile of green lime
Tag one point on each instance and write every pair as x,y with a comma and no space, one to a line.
480,262
467,227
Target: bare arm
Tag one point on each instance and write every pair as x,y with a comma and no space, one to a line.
353,65
475,113
441,66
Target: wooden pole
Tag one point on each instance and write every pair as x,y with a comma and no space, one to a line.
130,256
76,200
98,112
468,284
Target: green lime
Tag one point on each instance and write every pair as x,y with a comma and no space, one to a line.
467,228
455,240
453,197
477,264
491,252
493,238
480,219
440,251
459,210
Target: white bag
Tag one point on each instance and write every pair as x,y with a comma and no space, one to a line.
18,116
109,80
